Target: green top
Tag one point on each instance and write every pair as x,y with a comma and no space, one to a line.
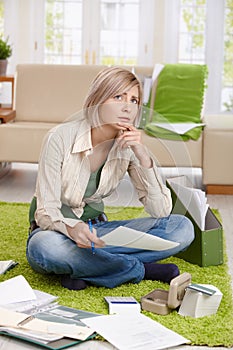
90,210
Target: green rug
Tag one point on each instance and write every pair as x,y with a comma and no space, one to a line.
214,330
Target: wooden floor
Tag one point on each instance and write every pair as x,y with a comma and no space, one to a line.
18,185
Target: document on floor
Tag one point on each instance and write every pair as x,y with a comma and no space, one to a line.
137,331
6,265
16,294
127,237
15,290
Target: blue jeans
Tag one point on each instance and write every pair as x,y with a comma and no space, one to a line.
53,252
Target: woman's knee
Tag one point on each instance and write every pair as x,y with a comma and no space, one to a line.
182,229
44,244
186,230
47,251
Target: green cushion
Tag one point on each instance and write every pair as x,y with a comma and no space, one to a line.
179,99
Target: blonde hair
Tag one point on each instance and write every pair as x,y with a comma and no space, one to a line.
108,83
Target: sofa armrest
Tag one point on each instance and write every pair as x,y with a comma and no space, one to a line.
6,116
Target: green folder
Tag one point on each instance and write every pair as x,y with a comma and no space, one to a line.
207,247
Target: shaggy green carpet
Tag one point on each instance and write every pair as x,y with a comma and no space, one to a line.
214,330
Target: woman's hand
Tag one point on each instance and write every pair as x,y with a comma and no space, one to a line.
129,136
83,237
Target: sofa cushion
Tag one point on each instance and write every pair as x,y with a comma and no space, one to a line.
171,153
219,122
51,93
217,150
22,141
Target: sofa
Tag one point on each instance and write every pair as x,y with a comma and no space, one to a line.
46,95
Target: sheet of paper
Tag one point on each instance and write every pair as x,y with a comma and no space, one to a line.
10,318
6,265
126,237
146,89
42,302
156,71
194,200
15,290
137,331
179,128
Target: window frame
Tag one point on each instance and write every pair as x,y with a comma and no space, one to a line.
214,24
158,37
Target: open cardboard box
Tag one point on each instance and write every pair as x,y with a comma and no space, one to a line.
161,301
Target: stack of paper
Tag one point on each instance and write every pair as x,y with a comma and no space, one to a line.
198,304
194,200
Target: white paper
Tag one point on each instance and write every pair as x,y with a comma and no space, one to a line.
69,330
157,70
137,331
42,302
194,200
5,265
10,318
15,290
127,237
146,89
178,128
196,304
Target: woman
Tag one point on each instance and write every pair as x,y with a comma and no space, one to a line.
82,161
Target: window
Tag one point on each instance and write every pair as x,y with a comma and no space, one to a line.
63,33
1,17
192,31
134,32
227,90
206,36
103,32
119,32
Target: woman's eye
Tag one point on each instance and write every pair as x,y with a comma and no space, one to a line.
118,97
135,101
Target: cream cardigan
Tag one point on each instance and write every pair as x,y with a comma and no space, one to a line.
64,172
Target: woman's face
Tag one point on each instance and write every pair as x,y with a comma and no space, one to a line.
122,108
